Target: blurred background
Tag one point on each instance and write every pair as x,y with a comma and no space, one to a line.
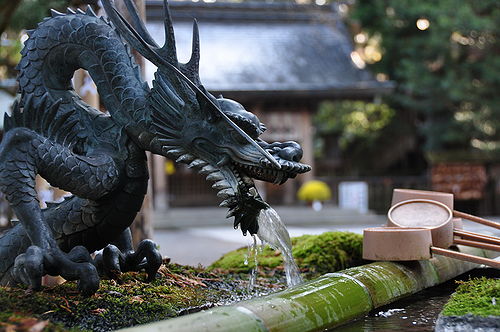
381,94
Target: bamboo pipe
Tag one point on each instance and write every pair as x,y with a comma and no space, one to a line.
466,257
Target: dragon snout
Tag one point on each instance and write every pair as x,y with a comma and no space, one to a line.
290,151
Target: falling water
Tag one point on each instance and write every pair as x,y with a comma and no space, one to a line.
273,232
252,252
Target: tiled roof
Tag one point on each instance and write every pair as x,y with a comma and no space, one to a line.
267,48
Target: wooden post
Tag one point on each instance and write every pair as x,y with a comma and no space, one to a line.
86,88
142,227
159,183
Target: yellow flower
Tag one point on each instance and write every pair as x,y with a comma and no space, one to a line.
314,191
169,167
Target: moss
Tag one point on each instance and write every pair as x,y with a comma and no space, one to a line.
478,296
177,290
315,255
117,304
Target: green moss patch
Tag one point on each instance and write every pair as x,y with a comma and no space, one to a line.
314,254
478,296
129,301
177,290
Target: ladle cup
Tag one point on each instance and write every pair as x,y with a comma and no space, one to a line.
437,217
410,243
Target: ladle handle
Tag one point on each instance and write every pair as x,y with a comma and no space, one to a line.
466,257
470,217
496,238
476,244
477,237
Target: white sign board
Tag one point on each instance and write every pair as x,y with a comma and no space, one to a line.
353,195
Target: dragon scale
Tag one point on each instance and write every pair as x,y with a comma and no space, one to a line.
64,43
100,158
70,42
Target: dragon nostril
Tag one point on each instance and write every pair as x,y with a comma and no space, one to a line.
291,153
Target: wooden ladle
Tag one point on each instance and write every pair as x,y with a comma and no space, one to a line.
410,243
437,217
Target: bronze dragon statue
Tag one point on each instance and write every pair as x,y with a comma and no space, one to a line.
100,157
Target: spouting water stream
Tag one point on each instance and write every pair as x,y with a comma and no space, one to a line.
272,231
253,252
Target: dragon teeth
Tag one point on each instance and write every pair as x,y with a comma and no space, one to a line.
231,213
207,169
222,184
185,158
197,163
175,153
225,203
225,193
253,192
215,176
172,151
279,178
165,146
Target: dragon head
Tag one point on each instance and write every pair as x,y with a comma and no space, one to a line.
215,136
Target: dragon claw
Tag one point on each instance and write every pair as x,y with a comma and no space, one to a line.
30,267
112,261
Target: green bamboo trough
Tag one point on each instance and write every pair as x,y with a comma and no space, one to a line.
326,302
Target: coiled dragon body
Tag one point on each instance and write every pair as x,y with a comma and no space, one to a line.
100,158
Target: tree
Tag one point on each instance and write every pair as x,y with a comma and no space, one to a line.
7,8
443,55
16,17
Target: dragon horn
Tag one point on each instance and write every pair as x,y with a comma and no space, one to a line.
168,49
192,67
138,24
129,34
139,41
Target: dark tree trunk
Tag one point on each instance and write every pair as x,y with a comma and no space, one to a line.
7,9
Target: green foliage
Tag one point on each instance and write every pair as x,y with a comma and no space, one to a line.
362,135
30,12
478,296
314,254
353,121
9,57
25,16
447,74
